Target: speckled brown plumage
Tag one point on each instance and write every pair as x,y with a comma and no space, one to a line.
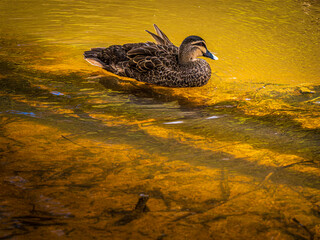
160,63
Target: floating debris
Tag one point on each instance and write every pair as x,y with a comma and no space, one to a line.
213,117
57,93
174,122
30,114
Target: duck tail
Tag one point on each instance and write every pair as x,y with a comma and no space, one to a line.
161,38
94,57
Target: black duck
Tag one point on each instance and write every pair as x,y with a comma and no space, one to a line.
160,63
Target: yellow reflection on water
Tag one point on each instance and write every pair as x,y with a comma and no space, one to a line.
256,41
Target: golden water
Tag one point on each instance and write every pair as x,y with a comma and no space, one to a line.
235,159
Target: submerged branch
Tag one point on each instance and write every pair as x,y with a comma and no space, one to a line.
73,141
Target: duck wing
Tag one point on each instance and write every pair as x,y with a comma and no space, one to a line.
161,38
133,58
149,57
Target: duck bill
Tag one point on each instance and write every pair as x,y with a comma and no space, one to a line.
210,55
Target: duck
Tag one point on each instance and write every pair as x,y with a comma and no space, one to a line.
160,63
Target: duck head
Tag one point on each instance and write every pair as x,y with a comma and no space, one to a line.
193,47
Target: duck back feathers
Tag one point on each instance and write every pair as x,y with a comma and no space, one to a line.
155,63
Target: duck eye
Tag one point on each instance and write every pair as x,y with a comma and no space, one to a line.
201,44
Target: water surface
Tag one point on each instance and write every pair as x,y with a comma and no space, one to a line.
235,159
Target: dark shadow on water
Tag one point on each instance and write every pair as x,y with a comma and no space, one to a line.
143,90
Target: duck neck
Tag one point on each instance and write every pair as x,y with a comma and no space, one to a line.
184,57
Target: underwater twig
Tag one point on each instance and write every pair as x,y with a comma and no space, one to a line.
223,201
266,178
280,168
73,141
141,207
292,164
185,216
305,228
